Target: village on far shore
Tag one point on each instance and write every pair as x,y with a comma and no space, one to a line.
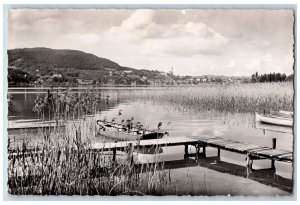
44,67
111,77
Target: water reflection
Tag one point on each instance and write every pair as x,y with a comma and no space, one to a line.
264,176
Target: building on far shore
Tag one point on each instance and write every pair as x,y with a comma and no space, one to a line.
56,76
133,83
84,82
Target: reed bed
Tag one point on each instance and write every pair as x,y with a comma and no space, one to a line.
64,162
234,98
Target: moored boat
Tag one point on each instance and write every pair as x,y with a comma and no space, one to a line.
122,132
273,127
280,118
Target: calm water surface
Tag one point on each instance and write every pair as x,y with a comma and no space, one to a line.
240,127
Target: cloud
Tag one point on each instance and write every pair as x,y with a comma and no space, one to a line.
185,39
193,41
139,20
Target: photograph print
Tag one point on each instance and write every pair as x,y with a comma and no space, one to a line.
159,102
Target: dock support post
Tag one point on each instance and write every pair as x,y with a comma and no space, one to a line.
273,147
186,151
204,151
249,161
130,153
274,143
114,154
219,152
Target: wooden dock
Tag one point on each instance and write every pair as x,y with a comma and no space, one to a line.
253,152
29,124
36,123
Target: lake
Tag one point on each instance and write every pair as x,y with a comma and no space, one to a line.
178,122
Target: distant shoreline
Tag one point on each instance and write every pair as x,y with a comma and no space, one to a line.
101,87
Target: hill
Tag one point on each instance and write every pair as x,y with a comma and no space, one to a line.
46,58
45,66
63,66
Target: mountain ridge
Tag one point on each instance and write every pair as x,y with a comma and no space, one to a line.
41,57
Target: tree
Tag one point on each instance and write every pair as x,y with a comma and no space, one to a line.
271,77
254,78
18,77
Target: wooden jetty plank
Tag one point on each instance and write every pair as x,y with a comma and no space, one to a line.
249,147
272,152
258,149
24,125
111,145
146,143
286,159
244,147
285,156
211,141
289,155
36,123
166,140
241,147
204,138
281,155
233,144
222,140
223,143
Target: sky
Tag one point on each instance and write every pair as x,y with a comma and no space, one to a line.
193,41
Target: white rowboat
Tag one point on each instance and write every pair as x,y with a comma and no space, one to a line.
274,119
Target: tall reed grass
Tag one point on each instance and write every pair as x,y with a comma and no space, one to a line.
65,163
234,98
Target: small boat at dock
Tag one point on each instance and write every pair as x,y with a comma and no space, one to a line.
282,118
121,132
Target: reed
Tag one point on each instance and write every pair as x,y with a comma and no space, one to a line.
234,98
64,163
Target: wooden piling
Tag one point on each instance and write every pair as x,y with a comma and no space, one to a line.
273,147
219,152
130,152
186,151
274,143
114,154
204,151
249,161
197,151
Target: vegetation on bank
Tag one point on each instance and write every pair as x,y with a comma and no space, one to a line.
234,98
271,77
20,78
65,163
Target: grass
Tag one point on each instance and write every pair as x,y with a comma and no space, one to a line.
234,98
64,163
